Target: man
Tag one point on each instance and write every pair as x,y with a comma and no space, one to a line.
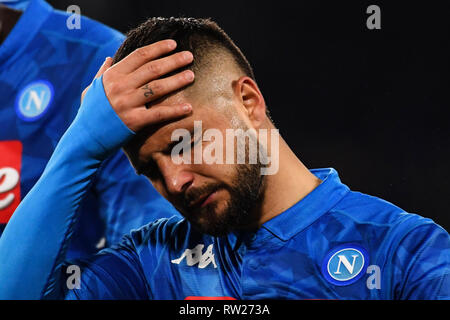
44,66
292,234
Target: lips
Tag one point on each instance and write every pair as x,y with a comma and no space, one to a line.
208,199
203,200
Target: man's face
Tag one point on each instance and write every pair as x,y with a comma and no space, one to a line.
216,198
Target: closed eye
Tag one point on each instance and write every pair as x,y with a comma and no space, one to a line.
150,170
186,147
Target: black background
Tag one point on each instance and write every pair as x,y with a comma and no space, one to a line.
370,103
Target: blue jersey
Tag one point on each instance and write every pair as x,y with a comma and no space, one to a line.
333,244
44,66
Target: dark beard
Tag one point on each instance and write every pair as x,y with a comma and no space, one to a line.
245,194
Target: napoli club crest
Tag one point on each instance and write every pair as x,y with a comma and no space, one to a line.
34,100
345,264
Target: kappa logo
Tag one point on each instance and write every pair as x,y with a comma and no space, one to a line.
344,264
196,255
34,100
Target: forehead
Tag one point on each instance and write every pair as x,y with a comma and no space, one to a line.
210,114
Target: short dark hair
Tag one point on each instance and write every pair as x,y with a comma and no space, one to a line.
196,35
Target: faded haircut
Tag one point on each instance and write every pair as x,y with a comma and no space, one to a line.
197,35
201,36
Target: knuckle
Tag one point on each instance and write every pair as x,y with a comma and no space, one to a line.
158,115
128,119
154,68
108,75
114,88
119,102
142,52
157,87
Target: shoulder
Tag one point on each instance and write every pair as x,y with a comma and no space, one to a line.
159,232
147,240
412,252
361,209
87,31
80,50
384,229
159,237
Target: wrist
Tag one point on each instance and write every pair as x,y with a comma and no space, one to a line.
96,118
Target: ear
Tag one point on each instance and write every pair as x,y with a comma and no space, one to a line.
252,100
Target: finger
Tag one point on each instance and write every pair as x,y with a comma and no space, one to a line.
158,114
106,64
159,67
144,54
161,87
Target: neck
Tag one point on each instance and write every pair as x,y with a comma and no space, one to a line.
8,19
291,183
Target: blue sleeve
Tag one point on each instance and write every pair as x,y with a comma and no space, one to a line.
123,200
127,201
34,242
113,273
422,263
118,272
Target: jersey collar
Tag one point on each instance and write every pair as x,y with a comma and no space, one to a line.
317,203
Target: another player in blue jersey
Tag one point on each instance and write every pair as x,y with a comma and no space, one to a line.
291,234
44,66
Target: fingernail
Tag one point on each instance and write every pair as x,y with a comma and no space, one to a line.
188,55
187,108
172,44
189,75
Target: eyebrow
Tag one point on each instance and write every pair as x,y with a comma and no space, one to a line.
142,166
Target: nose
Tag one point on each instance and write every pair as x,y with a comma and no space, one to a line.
177,177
